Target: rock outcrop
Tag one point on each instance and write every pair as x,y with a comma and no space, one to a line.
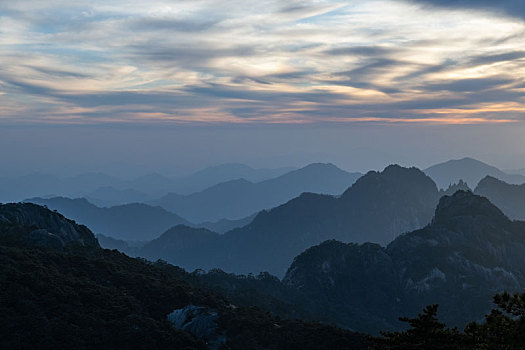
29,224
469,252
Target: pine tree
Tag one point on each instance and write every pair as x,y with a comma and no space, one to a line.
426,332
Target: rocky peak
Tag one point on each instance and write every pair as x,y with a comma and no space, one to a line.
395,179
489,181
41,227
466,204
453,188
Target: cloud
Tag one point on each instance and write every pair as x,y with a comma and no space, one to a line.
514,8
244,62
468,85
172,25
361,51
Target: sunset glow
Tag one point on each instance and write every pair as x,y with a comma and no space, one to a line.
264,62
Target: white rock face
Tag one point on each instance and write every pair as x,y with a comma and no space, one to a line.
199,321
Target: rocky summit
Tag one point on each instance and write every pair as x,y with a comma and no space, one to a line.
377,208
469,252
26,224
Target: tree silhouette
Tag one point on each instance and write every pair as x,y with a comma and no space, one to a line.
426,332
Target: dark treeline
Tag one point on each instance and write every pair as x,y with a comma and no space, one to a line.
503,328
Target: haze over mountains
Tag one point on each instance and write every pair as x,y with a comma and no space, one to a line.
509,198
211,208
383,247
106,190
469,170
470,251
377,208
131,222
220,173
239,198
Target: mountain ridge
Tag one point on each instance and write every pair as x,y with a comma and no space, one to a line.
369,210
509,197
469,170
81,296
238,198
132,222
468,252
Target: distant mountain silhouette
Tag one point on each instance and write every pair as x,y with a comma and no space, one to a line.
38,184
377,208
470,251
515,171
214,175
125,247
202,179
225,225
109,196
469,170
188,244
509,198
108,190
453,188
239,198
130,222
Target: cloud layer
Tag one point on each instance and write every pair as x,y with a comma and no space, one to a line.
203,61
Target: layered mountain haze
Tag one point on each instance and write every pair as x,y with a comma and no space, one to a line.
516,171
195,248
108,196
38,184
211,208
107,190
221,173
384,247
239,198
225,225
469,170
130,222
509,198
266,175
470,251
377,208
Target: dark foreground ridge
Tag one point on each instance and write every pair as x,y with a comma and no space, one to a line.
34,226
77,295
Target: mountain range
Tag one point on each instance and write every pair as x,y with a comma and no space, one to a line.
509,198
459,256
469,170
213,175
210,208
377,207
77,295
469,252
239,198
129,222
106,190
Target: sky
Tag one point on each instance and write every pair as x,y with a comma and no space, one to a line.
170,86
